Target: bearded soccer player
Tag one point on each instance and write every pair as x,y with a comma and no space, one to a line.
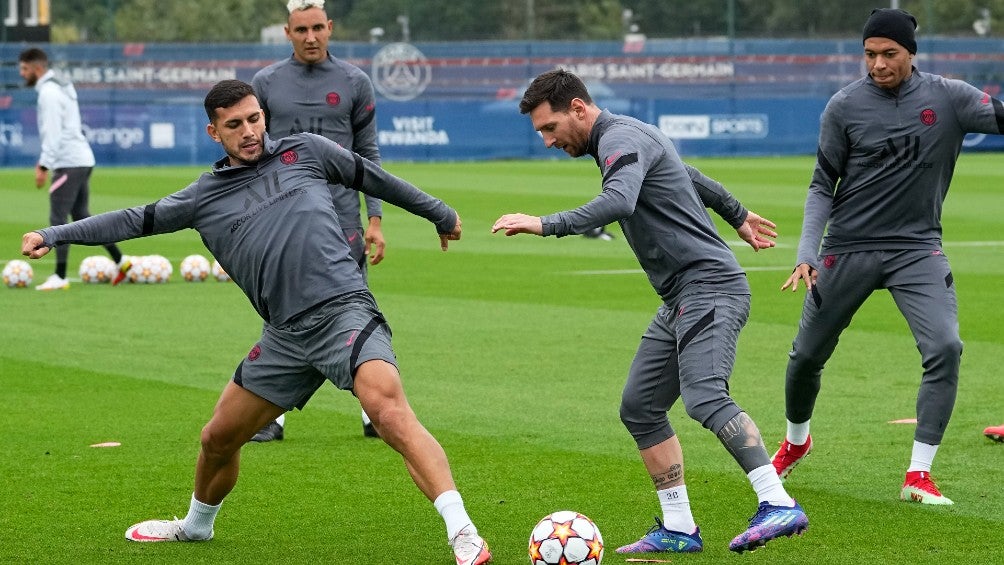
689,349
265,213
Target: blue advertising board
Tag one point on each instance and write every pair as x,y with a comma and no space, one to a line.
142,103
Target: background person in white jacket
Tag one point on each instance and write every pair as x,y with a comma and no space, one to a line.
66,153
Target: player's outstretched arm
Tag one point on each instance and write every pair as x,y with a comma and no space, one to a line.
31,245
519,223
757,231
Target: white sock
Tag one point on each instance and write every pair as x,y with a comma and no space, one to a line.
676,515
281,420
198,522
451,507
768,487
797,434
366,418
922,457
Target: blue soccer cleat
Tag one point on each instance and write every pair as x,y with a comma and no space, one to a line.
660,540
768,523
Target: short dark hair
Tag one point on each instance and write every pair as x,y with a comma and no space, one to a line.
225,94
33,55
557,87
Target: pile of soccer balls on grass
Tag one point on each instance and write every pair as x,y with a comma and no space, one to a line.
144,269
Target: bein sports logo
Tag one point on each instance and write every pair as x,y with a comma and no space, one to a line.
720,126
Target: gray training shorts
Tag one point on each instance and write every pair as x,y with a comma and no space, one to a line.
327,342
687,352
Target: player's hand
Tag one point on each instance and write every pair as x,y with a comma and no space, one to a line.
518,223
374,241
758,232
40,175
804,272
31,245
445,238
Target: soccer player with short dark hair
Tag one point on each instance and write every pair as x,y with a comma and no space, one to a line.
66,152
888,145
265,213
689,348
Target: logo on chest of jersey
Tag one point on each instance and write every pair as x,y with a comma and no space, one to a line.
899,153
928,117
289,157
263,193
333,99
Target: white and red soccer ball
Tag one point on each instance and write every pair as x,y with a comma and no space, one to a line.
17,274
150,269
97,269
194,268
565,538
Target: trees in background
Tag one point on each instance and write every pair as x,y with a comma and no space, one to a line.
456,20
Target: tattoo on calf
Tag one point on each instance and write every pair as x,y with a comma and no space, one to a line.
742,438
670,478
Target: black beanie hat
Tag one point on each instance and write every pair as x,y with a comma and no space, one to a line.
891,23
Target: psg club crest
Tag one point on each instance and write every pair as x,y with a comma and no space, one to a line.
254,353
928,117
289,157
829,261
333,98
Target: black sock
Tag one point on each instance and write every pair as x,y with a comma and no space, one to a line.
113,250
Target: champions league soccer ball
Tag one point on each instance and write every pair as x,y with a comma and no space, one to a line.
150,269
194,268
97,269
218,272
17,274
566,538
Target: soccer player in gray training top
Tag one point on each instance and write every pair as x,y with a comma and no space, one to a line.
66,152
265,212
888,143
312,91
689,348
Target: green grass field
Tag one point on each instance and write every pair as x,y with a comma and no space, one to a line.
513,352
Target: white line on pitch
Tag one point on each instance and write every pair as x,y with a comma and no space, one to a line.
785,268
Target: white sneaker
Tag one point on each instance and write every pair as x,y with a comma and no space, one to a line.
160,530
54,282
470,549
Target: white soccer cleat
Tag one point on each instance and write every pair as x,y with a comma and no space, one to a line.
54,282
160,530
470,549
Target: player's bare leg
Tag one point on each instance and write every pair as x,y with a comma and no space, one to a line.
238,415
378,386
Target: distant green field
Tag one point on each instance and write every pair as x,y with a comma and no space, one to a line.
513,352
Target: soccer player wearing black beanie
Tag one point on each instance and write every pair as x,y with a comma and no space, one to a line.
888,145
